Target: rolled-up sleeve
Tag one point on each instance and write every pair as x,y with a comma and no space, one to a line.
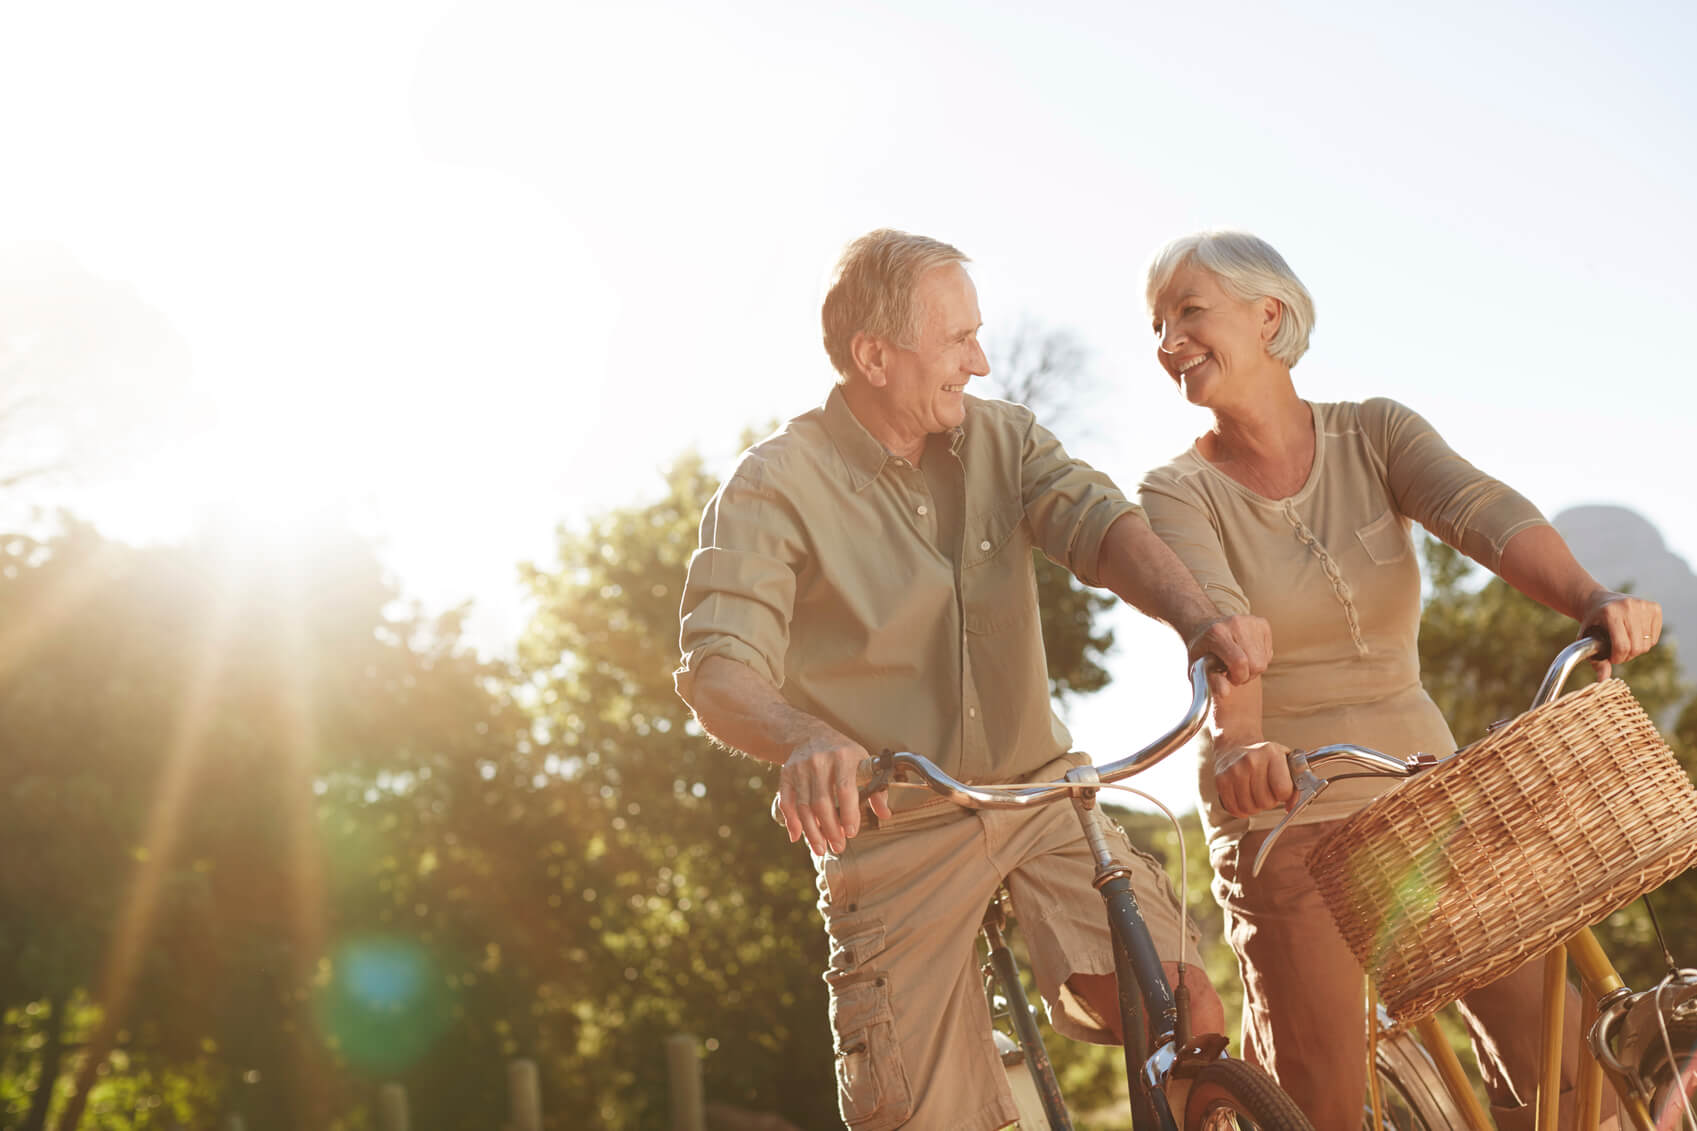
740,592
1186,527
1433,485
1069,504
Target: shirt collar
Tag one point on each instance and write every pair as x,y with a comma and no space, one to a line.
861,451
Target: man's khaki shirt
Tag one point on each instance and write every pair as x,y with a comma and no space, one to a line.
899,603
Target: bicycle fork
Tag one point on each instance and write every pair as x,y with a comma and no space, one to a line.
1148,1013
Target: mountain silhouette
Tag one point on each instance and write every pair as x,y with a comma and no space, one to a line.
1621,547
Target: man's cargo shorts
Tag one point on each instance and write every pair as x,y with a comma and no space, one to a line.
902,905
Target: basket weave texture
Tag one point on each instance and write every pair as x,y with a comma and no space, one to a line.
1544,827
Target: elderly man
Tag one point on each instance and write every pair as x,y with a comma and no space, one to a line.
865,581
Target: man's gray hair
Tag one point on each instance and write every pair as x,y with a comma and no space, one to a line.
1249,269
872,291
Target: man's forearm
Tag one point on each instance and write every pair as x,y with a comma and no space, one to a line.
741,709
1143,572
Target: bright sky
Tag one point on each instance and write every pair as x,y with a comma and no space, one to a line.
477,269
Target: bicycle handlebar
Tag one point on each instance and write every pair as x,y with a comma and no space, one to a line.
906,768
1311,771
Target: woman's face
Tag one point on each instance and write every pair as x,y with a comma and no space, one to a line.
1209,341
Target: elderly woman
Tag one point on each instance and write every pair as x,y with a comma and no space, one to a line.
1300,513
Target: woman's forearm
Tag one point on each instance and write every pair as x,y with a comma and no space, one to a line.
1538,562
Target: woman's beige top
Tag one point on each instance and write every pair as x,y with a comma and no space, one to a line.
1333,569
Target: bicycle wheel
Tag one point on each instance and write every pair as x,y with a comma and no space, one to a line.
1230,1095
1412,1096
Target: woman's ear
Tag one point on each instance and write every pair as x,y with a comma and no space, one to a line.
868,354
1272,316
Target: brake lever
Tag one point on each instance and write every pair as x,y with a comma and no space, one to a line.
1308,787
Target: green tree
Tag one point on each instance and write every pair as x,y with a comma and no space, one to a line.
210,750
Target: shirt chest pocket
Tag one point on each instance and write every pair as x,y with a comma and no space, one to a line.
998,586
1385,539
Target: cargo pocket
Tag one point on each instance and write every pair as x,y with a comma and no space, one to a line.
872,1085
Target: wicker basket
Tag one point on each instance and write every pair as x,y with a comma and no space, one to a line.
1544,827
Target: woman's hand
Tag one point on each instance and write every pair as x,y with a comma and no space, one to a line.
1253,777
1633,623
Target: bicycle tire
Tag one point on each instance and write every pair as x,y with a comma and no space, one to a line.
1412,1095
1231,1095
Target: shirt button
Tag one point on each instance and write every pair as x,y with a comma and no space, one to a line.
972,712
923,511
984,545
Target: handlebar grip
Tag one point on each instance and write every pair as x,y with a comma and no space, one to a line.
1599,633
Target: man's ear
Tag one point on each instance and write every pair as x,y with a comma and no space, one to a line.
869,357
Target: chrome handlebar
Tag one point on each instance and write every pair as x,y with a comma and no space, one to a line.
1311,771
905,768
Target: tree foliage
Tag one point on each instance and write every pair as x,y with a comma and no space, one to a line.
183,727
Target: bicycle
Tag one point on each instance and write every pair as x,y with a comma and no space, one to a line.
1159,1048
1630,1037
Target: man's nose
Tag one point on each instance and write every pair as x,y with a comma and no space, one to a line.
979,362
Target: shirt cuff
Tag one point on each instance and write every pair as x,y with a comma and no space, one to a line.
683,676
1087,546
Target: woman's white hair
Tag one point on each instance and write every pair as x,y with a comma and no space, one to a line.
1249,269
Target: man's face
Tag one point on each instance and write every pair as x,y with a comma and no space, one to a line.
923,386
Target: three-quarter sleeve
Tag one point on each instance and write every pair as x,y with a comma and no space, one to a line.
1180,520
740,592
1431,484
1069,504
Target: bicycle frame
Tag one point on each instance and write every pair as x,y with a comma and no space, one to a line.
1154,1052
1156,1046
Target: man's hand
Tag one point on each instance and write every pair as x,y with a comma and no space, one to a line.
1243,643
818,796
819,792
1253,778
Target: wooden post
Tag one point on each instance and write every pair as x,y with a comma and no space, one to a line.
525,1094
392,1108
683,1067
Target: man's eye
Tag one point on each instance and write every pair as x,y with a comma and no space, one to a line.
1190,310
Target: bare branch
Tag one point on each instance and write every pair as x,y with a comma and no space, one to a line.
1044,368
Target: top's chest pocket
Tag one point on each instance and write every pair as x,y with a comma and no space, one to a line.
1385,538
998,585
